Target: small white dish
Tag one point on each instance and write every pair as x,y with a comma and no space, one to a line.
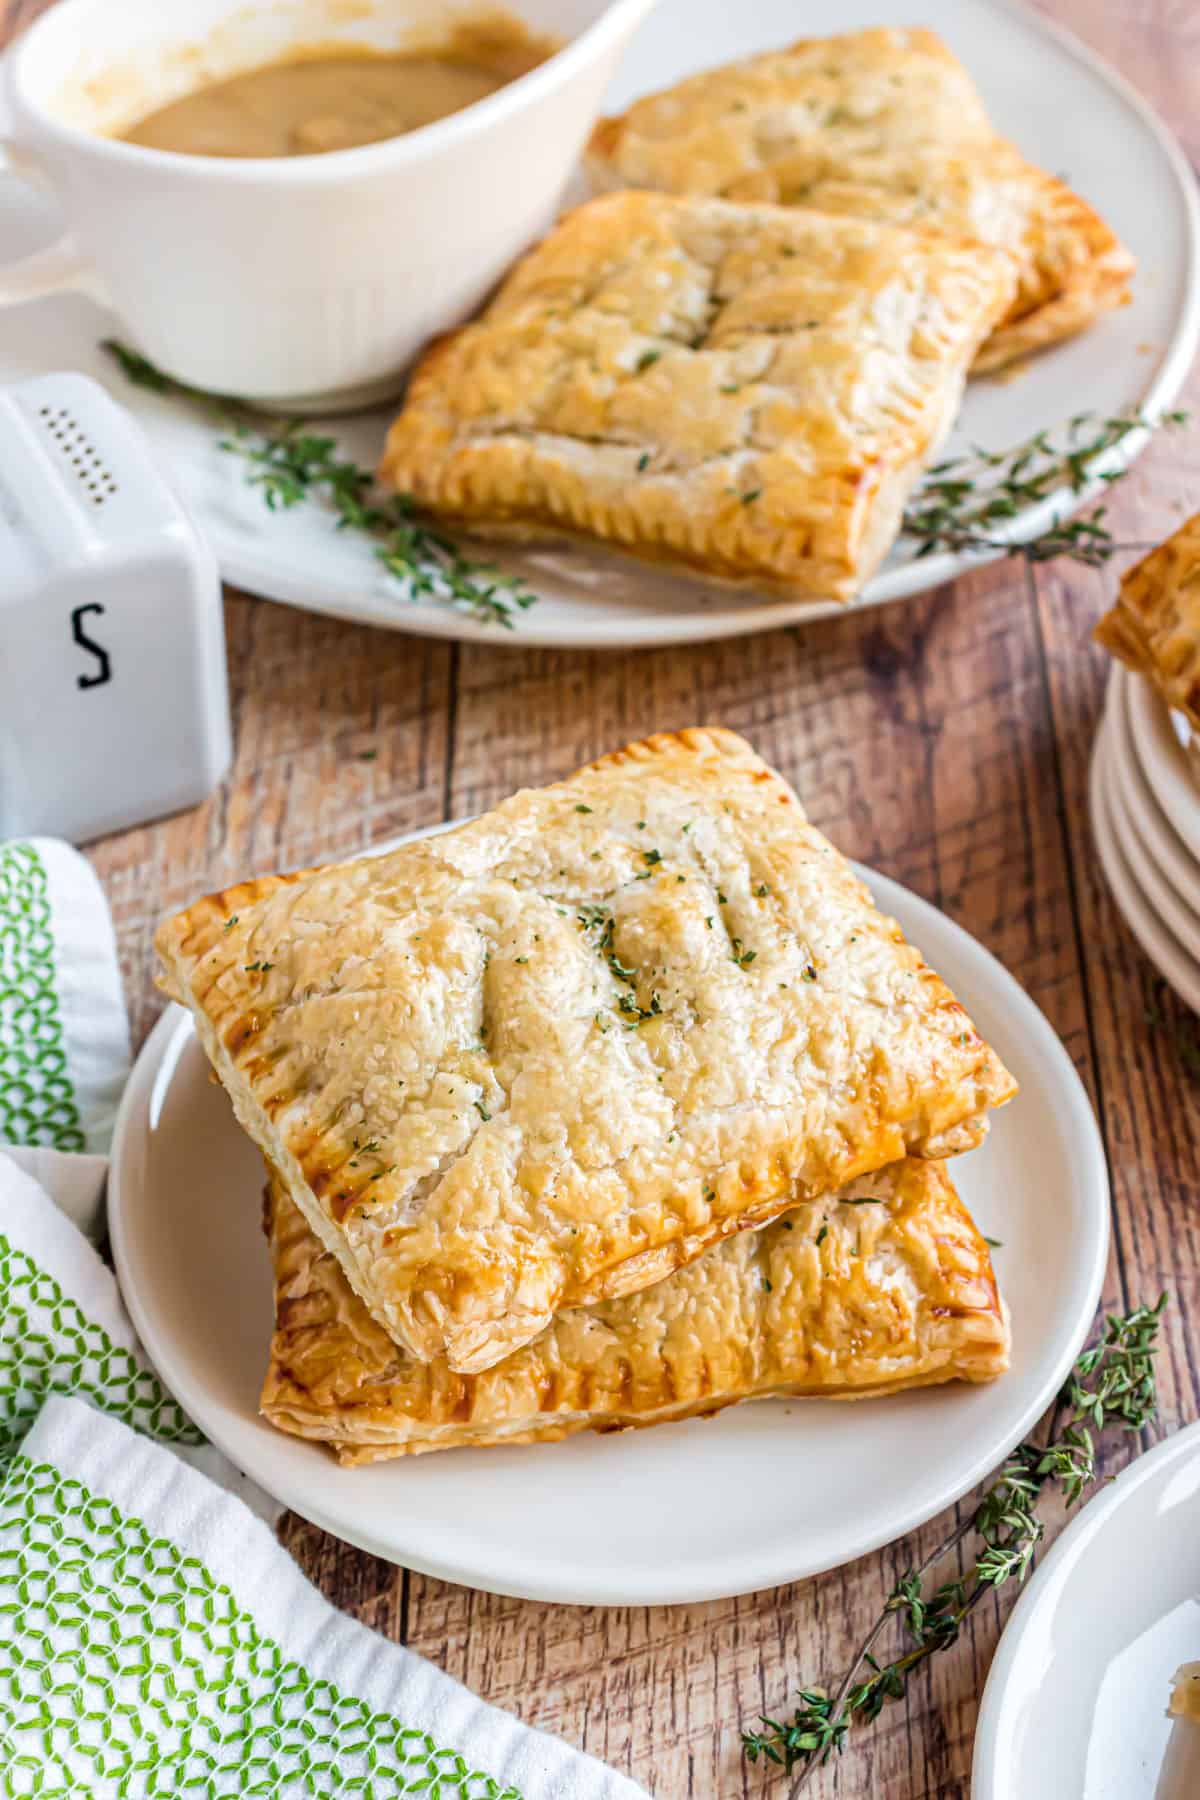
645,1517
1076,1701
1173,961
1165,763
1063,106
1171,873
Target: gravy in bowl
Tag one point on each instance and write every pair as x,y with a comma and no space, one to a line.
333,98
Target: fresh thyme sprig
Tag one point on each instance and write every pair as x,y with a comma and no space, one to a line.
965,503
289,464
1111,1384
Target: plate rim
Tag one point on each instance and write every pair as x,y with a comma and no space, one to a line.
1167,907
1162,758
1108,1497
1154,937
251,572
736,1574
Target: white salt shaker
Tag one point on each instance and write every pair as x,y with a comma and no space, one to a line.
114,701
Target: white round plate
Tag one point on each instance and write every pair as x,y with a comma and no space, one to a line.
1174,963
1067,111
1165,763
1075,1703
1158,894
1172,874
695,1511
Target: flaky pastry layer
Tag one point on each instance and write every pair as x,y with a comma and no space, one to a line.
749,392
1154,625
887,1287
550,1056
879,124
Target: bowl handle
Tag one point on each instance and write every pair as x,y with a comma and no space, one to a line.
59,267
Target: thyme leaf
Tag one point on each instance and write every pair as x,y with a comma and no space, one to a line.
289,464
1112,1385
964,503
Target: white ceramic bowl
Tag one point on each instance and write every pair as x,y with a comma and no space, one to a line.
301,282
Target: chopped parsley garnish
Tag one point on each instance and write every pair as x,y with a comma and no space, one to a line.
581,808
482,1110
647,359
740,955
653,857
643,461
638,1014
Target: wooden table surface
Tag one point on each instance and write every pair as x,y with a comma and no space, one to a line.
944,740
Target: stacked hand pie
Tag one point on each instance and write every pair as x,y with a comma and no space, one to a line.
618,1104
740,363
1153,625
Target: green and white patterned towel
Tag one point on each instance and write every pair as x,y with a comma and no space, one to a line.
155,1640
64,1042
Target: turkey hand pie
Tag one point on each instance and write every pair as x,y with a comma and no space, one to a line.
1154,627
880,124
546,1058
749,392
883,1287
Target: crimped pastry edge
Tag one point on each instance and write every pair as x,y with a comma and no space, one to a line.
473,1349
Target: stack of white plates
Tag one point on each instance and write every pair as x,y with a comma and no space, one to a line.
1145,799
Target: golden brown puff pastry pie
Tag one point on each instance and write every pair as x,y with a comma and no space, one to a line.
747,392
880,124
545,1058
888,1286
1154,626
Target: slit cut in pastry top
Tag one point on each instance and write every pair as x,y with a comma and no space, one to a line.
548,1057
885,1286
879,124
